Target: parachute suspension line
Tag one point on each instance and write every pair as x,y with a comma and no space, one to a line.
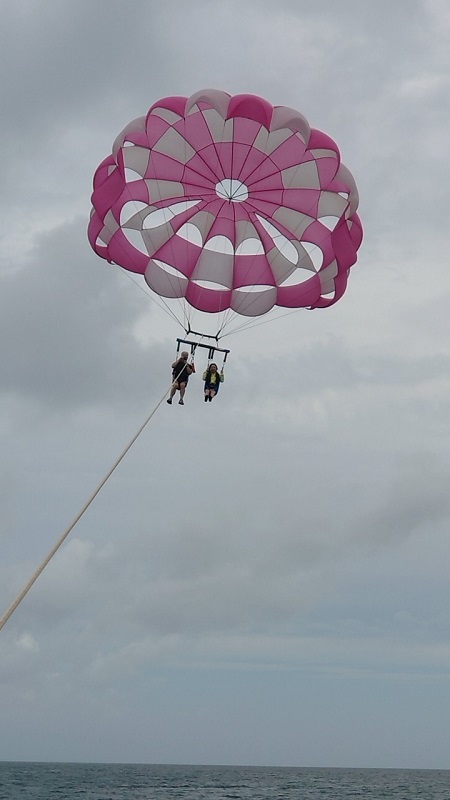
211,348
230,314
127,272
193,348
182,305
190,311
251,323
139,212
162,305
64,536
255,176
225,354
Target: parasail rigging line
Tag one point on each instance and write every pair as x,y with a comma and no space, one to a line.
252,323
77,518
163,305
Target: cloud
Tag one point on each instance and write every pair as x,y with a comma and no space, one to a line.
282,552
55,311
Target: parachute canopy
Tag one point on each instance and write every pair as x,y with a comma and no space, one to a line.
229,203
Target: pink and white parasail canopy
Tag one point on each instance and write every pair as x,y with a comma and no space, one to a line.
228,202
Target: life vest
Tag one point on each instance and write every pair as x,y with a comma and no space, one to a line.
208,380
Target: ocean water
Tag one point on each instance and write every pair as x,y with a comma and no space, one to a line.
38,781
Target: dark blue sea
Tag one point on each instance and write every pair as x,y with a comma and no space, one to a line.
20,780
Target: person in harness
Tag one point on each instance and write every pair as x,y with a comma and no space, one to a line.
181,371
213,378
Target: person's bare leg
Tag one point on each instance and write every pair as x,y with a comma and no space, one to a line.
172,392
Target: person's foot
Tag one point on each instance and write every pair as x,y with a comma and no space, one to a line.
181,402
169,401
206,397
209,398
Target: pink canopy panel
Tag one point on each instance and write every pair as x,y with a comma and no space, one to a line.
228,202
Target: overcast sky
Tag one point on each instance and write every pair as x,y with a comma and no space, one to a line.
263,580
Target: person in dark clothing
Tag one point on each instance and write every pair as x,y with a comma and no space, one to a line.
181,371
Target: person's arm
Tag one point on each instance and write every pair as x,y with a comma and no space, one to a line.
174,364
190,368
204,375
